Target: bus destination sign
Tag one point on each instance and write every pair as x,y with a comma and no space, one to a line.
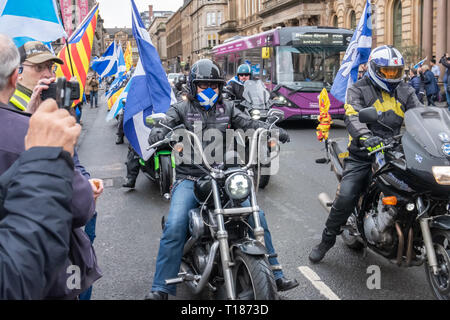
321,39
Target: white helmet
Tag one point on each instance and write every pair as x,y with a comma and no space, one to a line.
386,67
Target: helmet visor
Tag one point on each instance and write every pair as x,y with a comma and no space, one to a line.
391,73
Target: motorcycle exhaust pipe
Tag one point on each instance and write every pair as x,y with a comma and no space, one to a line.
401,244
409,249
197,287
325,201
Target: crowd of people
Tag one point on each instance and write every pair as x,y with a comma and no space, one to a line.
48,199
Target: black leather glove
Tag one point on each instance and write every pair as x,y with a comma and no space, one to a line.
284,136
156,135
371,143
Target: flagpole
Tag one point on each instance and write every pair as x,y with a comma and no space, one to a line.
65,38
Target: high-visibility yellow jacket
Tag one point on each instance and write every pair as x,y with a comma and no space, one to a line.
21,98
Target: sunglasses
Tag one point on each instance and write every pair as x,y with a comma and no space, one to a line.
42,66
206,85
244,75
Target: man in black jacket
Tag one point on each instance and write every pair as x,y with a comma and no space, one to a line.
385,90
205,108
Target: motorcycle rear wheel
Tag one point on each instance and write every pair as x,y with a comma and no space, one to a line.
253,278
440,284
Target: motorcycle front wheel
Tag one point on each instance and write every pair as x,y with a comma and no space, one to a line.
165,174
440,283
253,278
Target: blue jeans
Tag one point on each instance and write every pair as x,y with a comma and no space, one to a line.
447,94
90,231
94,95
175,234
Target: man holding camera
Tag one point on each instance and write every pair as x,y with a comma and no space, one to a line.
36,72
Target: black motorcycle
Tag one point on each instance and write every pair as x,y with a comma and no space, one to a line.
404,215
256,103
223,254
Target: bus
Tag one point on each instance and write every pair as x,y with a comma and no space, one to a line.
295,64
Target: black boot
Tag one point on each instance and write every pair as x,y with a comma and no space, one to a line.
284,284
130,183
156,295
119,140
328,241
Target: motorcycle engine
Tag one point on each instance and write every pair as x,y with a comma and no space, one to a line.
378,224
196,225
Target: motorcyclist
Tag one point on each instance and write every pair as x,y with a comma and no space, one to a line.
236,85
204,105
383,89
178,88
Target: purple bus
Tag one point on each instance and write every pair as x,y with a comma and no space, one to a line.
295,63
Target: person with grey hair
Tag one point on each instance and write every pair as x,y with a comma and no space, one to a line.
35,192
14,124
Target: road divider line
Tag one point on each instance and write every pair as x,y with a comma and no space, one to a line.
324,290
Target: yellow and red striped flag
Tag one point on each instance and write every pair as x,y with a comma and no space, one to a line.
128,56
80,46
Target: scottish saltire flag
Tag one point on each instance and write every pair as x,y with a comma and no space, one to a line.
149,92
27,20
357,53
106,65
121,66
118,105
80,46
420,63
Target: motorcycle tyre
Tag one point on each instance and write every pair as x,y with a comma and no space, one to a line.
441,242
165,174
260,275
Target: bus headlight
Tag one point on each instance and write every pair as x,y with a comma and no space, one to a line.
442,175
237,186
280,100
256,114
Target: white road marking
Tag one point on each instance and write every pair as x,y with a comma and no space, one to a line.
318,283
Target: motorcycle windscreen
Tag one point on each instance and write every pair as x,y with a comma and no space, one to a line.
430,128
256,94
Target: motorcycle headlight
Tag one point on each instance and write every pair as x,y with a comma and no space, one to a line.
237,186
256,114
442,175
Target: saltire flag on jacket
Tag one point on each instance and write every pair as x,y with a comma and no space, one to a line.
149,92
128,56
80,46
27,20
106,65
357,53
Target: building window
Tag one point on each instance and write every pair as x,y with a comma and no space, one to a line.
335,21
397,23
219,18
353,20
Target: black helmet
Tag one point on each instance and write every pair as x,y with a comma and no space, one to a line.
205,70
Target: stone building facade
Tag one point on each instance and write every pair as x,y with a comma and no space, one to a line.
174,42
206,18
158,35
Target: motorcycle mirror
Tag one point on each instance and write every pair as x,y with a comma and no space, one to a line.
155,119
368,115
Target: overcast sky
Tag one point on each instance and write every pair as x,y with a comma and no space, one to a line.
117,13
